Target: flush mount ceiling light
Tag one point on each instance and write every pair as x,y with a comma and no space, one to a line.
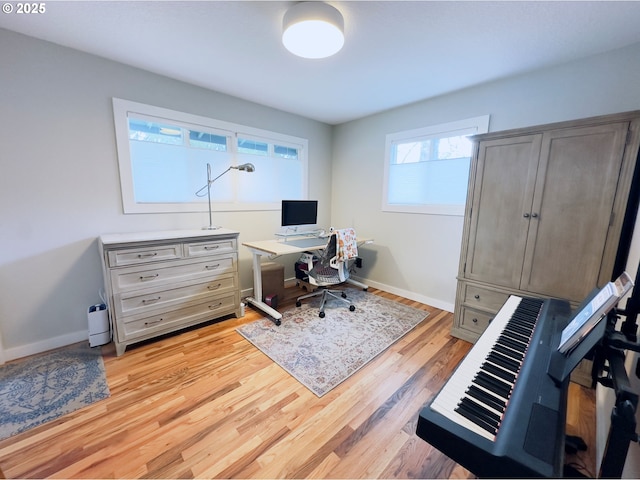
313,30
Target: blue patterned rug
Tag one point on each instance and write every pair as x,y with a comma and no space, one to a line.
37,389
323,352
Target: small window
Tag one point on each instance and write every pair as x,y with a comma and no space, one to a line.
207,140
285,152
427,170
252,146
145,131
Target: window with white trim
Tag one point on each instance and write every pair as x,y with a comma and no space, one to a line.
427,169
163,156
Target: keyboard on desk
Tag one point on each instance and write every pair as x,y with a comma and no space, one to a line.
500,414
311,242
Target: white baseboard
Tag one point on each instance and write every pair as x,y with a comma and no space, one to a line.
410,295
381,286
83,335
43,346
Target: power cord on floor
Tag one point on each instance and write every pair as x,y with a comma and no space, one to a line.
577,469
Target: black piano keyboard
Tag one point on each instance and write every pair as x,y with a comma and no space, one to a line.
487,397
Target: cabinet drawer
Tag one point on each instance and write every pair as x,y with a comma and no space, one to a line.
484,299
132,302
135,278
199,249
172,320
143,255
475,321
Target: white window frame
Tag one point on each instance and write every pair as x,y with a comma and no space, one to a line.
121,109
467,126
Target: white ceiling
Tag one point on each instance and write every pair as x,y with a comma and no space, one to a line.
395,52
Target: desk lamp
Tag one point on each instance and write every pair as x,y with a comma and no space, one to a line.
245,167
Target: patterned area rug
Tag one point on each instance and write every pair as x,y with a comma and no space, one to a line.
323,352
43,387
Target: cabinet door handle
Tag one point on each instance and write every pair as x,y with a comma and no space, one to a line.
148,277
150,300
526,215
534,215
212,267
214,287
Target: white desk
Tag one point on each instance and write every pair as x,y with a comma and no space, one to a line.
272,249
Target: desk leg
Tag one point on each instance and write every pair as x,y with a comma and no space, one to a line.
256,300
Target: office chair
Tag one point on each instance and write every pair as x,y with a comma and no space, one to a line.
332,268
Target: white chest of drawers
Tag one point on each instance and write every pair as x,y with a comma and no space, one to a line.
160,282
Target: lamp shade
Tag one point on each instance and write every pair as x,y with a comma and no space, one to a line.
313,30
246,167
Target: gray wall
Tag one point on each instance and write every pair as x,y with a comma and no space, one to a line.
59,186
418,255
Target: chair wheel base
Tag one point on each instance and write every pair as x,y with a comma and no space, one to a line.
325,295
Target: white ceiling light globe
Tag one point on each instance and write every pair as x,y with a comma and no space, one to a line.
313,30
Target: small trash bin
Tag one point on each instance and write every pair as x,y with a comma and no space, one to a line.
272,283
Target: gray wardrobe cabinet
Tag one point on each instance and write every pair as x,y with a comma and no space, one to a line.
544,214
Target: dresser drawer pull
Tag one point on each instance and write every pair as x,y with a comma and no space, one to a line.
148,277
474,320
476,296
211,247
143,255
214,287
148,324
213,307
150,300
212,267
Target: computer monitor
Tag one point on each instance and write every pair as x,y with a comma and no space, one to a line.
299,212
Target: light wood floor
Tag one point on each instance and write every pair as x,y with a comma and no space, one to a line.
206,403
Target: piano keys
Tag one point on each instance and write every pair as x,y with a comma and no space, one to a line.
500,414
476,397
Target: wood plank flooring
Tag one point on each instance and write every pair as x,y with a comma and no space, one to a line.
205,403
